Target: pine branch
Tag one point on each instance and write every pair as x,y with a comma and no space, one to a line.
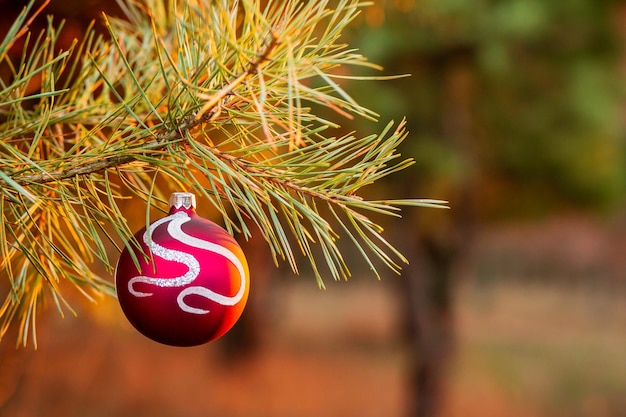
207,96
204,115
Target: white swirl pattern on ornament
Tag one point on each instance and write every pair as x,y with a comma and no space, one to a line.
176,220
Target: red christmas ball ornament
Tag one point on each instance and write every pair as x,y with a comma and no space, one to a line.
191,280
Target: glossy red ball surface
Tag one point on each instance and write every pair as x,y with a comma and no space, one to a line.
191,283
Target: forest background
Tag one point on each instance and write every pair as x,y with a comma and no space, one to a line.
516,113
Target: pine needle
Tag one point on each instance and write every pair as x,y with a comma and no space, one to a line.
216,97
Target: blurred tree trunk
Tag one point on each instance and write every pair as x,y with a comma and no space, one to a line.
429,325
438,248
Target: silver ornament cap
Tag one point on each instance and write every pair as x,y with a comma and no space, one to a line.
185,200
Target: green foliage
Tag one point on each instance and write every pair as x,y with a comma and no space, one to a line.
546,92
212,97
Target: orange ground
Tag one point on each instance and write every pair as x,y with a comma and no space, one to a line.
525,348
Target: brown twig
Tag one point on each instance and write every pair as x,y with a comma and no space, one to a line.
104,163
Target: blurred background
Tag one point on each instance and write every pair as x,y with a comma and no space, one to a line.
514,303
